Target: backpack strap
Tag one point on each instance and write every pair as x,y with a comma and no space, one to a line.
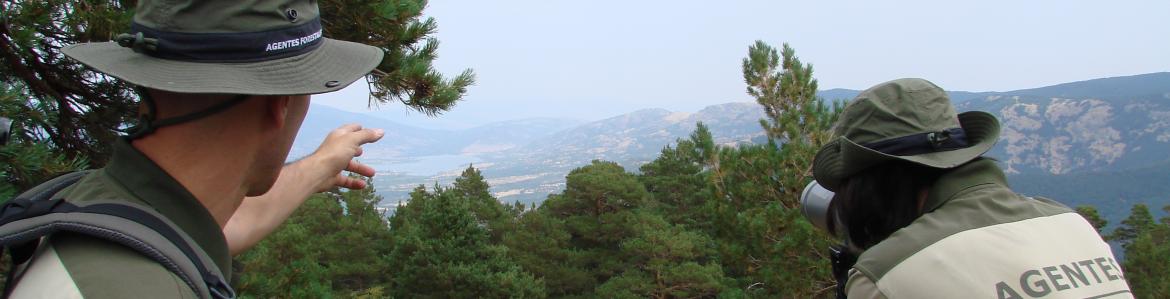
25,220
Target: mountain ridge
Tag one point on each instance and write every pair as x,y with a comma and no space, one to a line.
1044,138
1109,88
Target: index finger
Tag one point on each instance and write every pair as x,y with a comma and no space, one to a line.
350,127
369,135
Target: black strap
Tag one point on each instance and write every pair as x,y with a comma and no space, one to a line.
36,202
842,260
214,282
16,208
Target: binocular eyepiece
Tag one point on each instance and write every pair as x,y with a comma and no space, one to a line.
814,204
5,130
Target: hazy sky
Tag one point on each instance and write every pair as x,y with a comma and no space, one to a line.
595,59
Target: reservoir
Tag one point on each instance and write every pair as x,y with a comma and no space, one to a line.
421,165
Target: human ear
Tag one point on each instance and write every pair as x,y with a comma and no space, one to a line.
278,109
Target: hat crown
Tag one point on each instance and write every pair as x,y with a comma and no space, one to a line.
224,16
894,109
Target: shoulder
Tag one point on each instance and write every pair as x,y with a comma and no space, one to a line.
97,184
75,266
974,209
987,240
860,286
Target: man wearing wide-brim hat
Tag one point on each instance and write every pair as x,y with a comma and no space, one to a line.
931,218
226,86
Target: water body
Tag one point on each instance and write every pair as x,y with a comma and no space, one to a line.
421,165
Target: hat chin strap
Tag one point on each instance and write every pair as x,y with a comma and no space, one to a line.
148,124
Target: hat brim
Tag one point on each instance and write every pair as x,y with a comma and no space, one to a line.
843,158
331,67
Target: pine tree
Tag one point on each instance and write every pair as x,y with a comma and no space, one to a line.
69,108
486,208
541,245
1147,252
76,112
1138,222
598,208
667,262
23,164
440,250
676,179
757,225
333,245
1090,213
363,229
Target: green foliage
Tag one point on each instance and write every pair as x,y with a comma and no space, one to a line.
74,112
406,74
487,209
1147,253
1091,215
1139,221
677,181
668,262
598,208
786,89
606,237
541,245
69,109
24,164
755,204
332,246
440,250
701,221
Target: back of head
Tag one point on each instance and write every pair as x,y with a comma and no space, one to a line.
882,199
891,143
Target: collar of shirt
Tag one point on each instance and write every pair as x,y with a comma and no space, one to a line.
970,175
151,184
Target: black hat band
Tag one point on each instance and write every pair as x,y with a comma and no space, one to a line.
922,143
227,47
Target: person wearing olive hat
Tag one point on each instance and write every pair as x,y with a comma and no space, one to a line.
931,218
226,86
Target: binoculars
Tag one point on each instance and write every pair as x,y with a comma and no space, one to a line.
814,204
5,130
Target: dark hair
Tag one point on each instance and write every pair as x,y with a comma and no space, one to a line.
875,202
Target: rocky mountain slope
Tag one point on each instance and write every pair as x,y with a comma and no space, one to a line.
1058,135
1094,128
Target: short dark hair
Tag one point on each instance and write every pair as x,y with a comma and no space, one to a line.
880,200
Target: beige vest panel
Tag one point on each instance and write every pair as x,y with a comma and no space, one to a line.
1057,256
46,277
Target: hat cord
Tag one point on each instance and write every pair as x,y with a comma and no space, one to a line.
137,42
148,124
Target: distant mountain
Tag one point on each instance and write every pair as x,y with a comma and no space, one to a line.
501,136
638,137
1054,135
1094,125
529,173
403,140
408,141
841,94
1151,85
1081,142
1112,192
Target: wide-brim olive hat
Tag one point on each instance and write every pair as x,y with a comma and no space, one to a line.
910,120
267,47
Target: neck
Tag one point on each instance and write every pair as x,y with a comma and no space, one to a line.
214,173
